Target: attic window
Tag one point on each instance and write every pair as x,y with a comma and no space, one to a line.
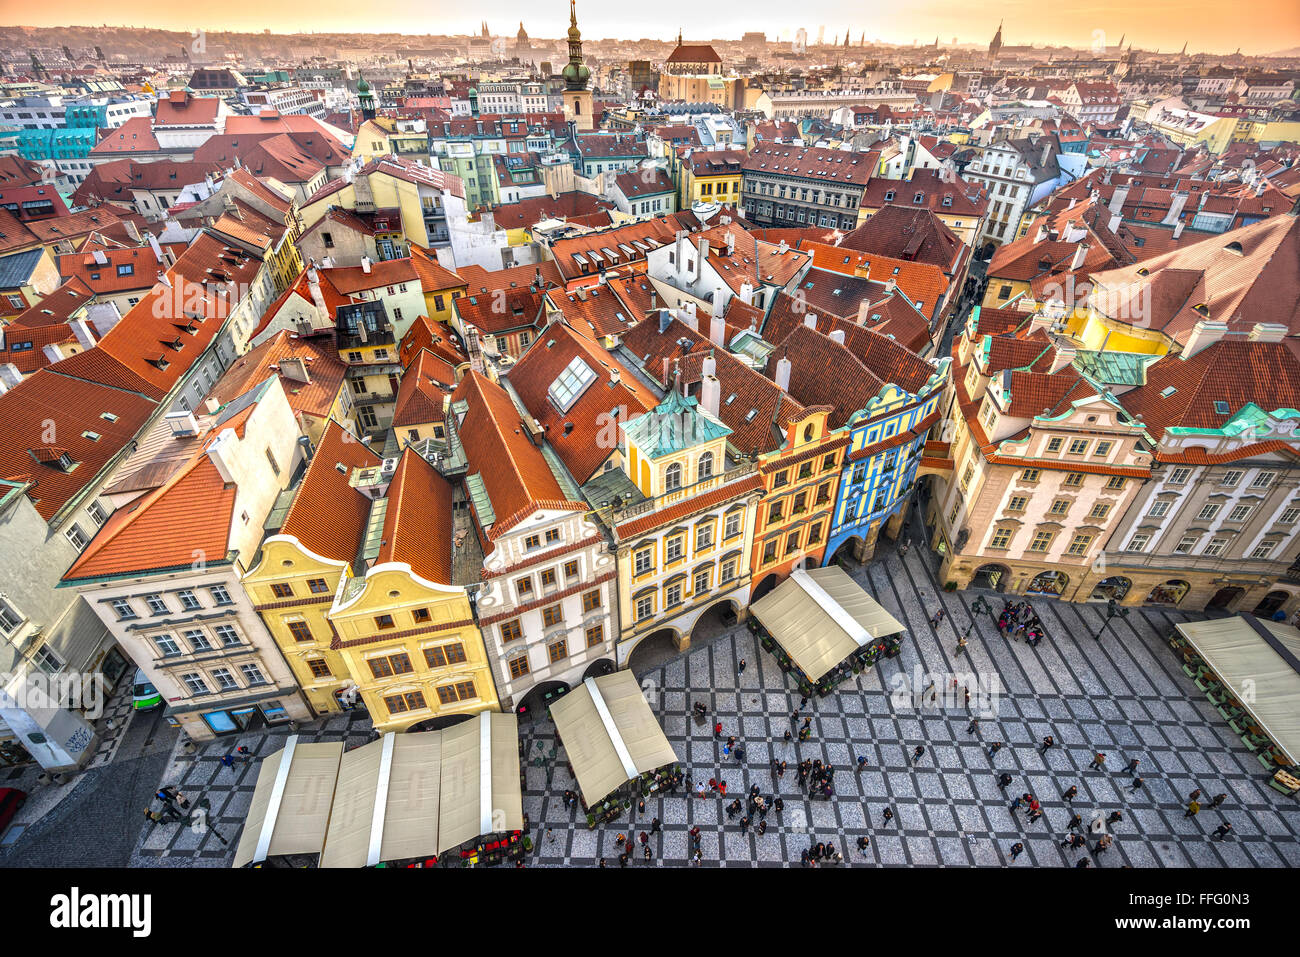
109,416
749,417
1221,407
93,436
1234,247
1167,391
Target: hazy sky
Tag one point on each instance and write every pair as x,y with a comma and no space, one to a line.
1262,27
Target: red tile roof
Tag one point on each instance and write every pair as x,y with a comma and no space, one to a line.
418,523
317,353
328,515
514,473
425,383
581,435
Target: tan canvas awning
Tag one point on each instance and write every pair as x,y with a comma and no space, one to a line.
479,789
1262,679
610,734
820,616
290,810
386,802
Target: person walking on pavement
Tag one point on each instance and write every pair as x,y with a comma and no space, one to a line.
889,815
1098,760
1222,831
862,762
1017,804
1075,821
1218,799
961,645
1137,785
994,748
1131,766
1016,850
1070,794
917,753
1103,844
1115,818
1035,810
1003,780
654,825
1193,809
154,816
717,730
1047,743
740,669
936,618
973,726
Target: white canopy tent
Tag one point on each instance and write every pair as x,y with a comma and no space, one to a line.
404,796
821,616
290,810
610,734
1260,662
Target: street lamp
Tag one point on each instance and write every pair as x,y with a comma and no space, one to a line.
981,604
1113,610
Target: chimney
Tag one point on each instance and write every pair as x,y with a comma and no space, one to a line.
718,331
81,329
365,265
9,376
52,352
1080,254
1042,232
810,320
702,246
890,286
217,452
1175,208
710,392
1204,333
665,317
681,249
864,311
1117,200
295,370
1063,356
747,293
1268,332
837,335
783,374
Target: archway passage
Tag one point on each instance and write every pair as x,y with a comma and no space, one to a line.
1115,587
438,723
653,650
540,697
1168,593
1048,583
765,586
1270,604
846,556
993,577
601,666
1224,598
718,619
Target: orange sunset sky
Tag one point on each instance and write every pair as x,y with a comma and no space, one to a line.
1264,27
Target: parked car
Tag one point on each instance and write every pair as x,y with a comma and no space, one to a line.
145,696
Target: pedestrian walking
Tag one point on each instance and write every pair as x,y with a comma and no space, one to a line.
1098,760
744,824
1195,795
1070,794
936,618
788,736
961,645
1003,781
646,852
917,753
1103,844
762,827
1132,766
717,730
1084,863
153,816
778,805
699,790
1218,799
862,762
654,825
1016,850
1115,818
739,753
1193,809
643,837
994,748
1137,785
1222,831
1016,805
863,843
1075,821
973,726
1048,742
740,668
888,815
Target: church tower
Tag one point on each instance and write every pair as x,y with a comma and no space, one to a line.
366,97
996,45
577,98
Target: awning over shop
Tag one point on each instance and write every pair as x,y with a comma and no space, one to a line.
404,796
479,792
610,734
821,616
1260,662
386,802
290,810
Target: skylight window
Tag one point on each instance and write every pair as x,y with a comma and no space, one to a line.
1221,407
1167,391
570,384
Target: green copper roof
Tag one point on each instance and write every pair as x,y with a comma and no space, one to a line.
478,496
1114,368
677,423
1249,418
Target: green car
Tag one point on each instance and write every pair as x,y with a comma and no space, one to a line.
145,696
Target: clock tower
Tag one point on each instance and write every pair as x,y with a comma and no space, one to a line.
577,98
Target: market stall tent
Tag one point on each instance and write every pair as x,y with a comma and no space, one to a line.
821,616
610,734
290,810
479,791
1260,662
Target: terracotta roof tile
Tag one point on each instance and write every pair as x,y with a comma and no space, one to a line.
328,516
418,522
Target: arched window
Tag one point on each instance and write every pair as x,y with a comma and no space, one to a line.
706,465
808,433
672,477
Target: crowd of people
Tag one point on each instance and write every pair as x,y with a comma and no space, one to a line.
1019,620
